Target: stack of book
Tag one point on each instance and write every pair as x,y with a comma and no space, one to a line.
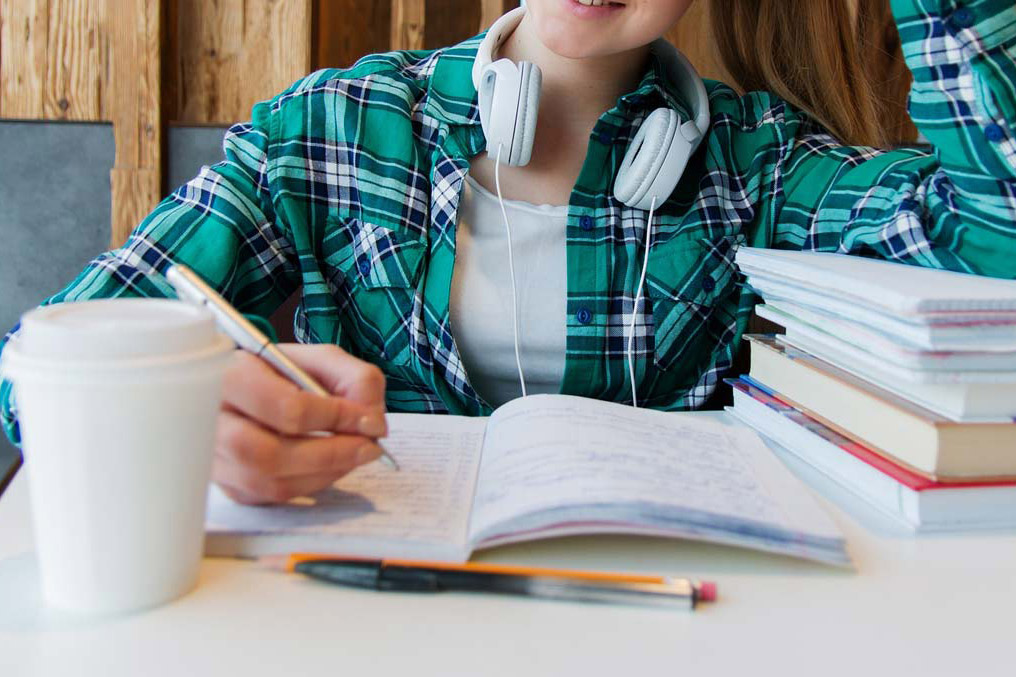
897,382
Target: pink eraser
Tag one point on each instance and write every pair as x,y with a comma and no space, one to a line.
707,592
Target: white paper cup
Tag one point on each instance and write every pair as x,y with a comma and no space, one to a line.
117,403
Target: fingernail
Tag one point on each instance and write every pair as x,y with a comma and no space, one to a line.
367,453
371,425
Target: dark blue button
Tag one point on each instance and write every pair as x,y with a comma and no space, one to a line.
708,283
586,222
994,133
584,316
963,17
364,266
604,137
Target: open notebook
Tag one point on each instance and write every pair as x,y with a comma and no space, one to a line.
541,466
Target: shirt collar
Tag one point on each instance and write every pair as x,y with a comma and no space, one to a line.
654,91
451,97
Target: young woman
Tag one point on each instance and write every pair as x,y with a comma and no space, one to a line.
368,189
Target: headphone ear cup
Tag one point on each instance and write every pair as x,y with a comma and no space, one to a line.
498,100
530,81
654,161
644,157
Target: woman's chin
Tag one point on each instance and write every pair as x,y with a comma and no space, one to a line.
574,44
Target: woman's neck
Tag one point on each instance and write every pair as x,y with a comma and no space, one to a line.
575,91
573,95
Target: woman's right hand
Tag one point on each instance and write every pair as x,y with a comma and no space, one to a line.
269,442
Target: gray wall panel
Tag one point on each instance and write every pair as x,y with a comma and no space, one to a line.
188,148
55,200
54,207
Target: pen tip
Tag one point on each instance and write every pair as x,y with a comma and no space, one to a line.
389,460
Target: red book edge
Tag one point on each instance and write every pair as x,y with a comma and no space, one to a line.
901,474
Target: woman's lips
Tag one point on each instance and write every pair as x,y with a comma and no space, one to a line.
592,11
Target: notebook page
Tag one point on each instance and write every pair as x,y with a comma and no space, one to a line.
373,511
550,454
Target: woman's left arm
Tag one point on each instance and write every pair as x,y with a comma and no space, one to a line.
952,206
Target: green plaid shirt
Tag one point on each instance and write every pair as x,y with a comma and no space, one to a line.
346,186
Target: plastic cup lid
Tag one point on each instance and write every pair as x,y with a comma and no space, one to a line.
116,329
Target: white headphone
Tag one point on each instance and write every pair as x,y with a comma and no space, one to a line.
509,99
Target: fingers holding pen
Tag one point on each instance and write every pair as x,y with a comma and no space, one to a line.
340,373
255,465
256,390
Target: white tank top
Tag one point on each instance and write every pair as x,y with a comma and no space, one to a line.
481,294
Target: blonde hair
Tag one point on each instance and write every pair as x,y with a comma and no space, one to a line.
838,60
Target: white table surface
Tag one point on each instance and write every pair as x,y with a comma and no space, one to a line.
928,605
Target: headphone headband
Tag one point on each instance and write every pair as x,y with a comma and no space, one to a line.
676,67
495,37
683,75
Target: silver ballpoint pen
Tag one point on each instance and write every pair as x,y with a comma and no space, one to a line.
190,287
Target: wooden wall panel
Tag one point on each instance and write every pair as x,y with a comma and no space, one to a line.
408,22
76,69
23,47
136,178
54,58
450,21
490,10
223,56
345,31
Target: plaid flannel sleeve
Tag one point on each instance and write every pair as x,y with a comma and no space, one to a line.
221,224
949,206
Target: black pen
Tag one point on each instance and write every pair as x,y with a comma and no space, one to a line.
423,576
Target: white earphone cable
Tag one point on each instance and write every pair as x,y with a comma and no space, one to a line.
511,269
635,304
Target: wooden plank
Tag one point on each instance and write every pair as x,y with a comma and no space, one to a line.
77,48
490,10
136,177
345,30
408,22
447,22
134,193
224,56
54,57
23,29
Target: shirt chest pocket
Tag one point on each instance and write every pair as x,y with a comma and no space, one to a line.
376,274
691,286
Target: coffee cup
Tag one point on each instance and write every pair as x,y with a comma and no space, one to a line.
117,402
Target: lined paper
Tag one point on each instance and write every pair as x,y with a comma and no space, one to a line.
551,455
427,501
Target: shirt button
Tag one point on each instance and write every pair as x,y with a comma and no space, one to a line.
584,316
963,17
708,284
586,222
994,133
364,266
